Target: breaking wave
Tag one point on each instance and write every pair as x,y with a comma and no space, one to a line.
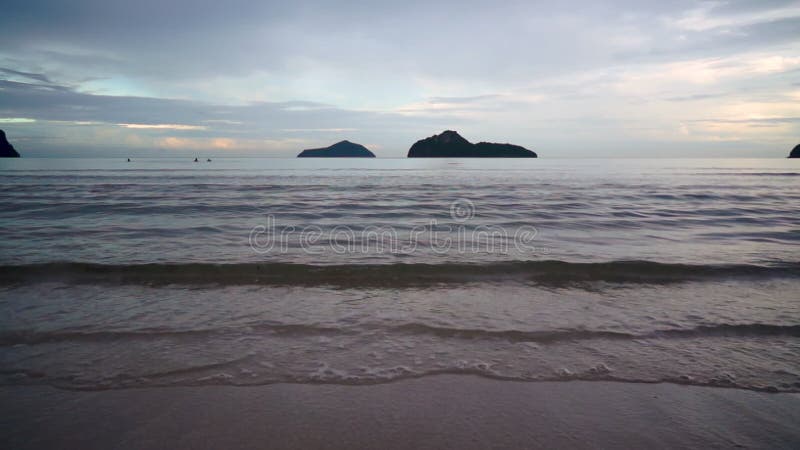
388,275
30,337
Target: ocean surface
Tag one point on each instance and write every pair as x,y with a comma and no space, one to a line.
166,272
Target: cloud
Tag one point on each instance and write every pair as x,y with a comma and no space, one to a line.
331,130
462,100
708,17
16,120
229,144
241,76
705,72
161,126
469,107
762,121
258,126
25,75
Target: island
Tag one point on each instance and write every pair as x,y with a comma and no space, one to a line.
449,144
795,153
343,149
6,149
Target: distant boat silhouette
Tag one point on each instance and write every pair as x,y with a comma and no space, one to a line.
209,160
129,160
195,160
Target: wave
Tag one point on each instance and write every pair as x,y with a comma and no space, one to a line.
553,336
548,272
365,377
32,337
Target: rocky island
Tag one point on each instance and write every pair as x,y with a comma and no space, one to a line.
6,149
449,144
795,153
344,149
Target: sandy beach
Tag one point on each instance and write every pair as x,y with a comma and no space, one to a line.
459,412
399,225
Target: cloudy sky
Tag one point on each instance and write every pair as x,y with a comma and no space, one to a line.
263,78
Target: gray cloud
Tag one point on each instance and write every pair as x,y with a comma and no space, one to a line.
27,75
185,118
465,39
694,97
460,40
386,72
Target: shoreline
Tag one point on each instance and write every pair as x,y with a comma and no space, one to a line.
442,411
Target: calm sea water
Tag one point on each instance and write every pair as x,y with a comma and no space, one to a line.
255,271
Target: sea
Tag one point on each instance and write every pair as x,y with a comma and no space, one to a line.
254,271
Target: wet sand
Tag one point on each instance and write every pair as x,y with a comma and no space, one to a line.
459,412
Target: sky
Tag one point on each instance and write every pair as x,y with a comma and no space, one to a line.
567,79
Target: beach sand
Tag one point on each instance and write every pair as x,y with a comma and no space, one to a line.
446,411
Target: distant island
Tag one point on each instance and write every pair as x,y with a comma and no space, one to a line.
344,149
450,144
795,153
6,149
